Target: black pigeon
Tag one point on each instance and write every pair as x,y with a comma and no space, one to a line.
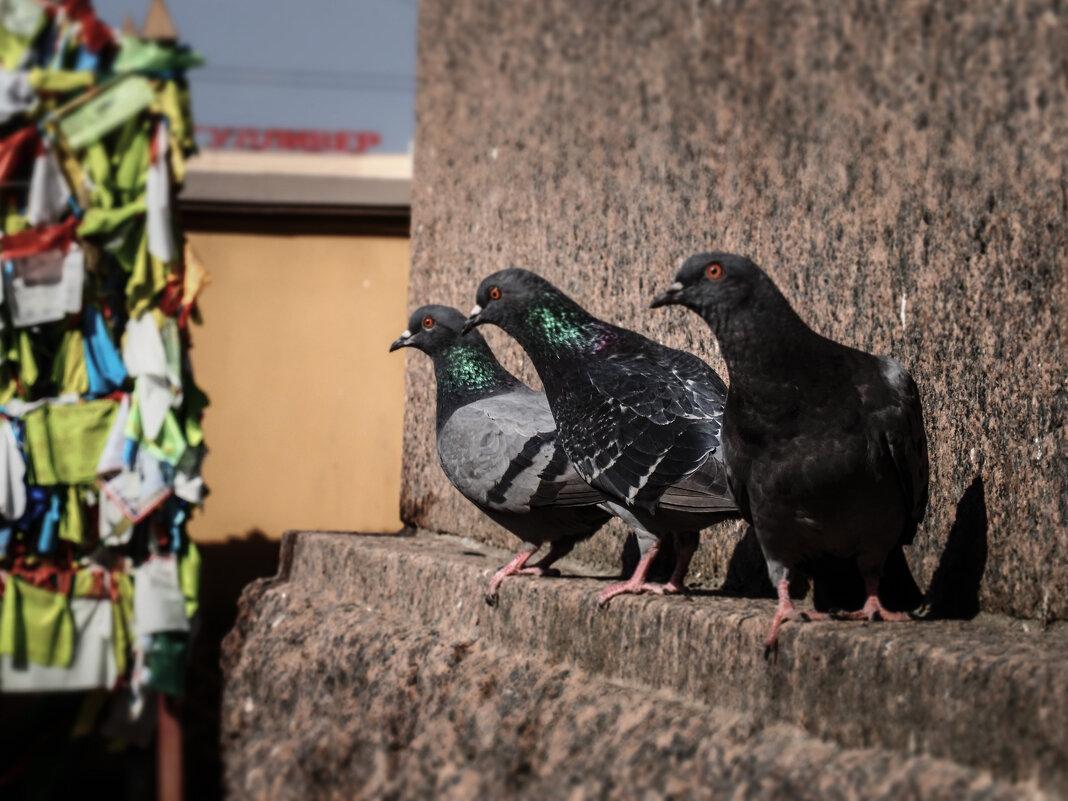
496,442
638,420
824,444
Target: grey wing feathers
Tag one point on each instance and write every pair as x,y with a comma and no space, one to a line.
501,453
705,491
653,426
561,485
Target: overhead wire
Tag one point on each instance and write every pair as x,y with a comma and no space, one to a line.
308,79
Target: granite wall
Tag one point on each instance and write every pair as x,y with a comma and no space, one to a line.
898,168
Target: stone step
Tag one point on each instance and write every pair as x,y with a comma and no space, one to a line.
372,666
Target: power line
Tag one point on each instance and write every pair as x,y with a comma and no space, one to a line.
308,79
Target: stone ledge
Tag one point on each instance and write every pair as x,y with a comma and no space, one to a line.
988,695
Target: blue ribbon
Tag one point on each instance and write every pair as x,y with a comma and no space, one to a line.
129,453
175,509
49,526
84,60
103,362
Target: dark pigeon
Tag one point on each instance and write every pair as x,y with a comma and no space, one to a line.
638,420
496,442
824,444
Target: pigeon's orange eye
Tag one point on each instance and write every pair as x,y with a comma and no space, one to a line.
428,322
494,293
714,271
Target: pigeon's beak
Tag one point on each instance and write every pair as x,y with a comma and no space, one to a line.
403,341
473,319
669,297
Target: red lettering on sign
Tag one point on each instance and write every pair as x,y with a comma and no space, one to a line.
248,139
219,136
311,141
365,140
279,139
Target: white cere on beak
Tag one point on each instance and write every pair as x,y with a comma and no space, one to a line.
675,287
406,334
475,310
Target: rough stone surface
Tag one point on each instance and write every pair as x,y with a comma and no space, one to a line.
371,669
898,168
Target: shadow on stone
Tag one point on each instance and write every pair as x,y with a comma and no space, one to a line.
228,567
954,592
898,589
835,583
747,572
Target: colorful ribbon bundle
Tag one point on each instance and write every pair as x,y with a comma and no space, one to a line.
100,436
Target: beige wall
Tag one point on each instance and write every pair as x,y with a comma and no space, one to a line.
307,406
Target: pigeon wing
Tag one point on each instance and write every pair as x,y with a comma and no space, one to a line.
898,419
501,453
639,425
706,490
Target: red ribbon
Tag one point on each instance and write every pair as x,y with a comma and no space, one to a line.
45,576
95,34
16,149
38,240
170,299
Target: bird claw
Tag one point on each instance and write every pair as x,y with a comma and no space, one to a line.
491,595
786,612
873,610
633,588
534,570
894,617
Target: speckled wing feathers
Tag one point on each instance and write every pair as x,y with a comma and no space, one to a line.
643,424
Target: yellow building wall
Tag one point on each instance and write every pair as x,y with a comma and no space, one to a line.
307,404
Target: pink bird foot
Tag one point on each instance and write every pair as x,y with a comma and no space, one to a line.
637,585
516,568
513,568
873,609
632,587
787,611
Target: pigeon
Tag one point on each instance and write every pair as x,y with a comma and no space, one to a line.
638,420
496,442
825,445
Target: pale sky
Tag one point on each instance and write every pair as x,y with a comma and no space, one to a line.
304,64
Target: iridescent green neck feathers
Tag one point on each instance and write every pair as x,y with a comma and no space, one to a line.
469,367
555,326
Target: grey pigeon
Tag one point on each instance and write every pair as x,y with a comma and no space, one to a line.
638,420
825,445
496,442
